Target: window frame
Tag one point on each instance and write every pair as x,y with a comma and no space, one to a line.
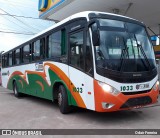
23,56
69,48
10,62
47,46
15,56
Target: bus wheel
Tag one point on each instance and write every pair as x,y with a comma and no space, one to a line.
63,100
15,90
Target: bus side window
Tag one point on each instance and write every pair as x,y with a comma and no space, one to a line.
6,60
36,50
26,54
63,43
21,55
3,61
49,44
42,48
17,57
10,59
54,45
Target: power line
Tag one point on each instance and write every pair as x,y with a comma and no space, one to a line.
12,15
16,23
19,20
21,16
17,33
5,29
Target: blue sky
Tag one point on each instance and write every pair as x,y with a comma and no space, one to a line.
27,8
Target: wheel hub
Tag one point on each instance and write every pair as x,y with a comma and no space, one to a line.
59,99
15,90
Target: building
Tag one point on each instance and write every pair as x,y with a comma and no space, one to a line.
146,11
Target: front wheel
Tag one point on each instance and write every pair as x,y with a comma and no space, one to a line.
63,100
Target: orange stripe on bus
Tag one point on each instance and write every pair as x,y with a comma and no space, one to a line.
42,74
40,83
61,75
67,81
21,83
13,74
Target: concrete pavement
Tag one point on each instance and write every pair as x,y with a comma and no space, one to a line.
34,113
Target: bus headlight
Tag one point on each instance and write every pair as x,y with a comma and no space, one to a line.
108,88
156,85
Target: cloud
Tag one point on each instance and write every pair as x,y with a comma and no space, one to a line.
9,41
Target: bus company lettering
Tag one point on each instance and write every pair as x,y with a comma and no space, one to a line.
6,73
39,66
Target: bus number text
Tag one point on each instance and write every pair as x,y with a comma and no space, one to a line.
126,88
79,90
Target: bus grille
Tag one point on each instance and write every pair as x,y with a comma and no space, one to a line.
133,93
137,102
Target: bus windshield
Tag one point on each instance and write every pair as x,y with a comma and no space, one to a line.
124,47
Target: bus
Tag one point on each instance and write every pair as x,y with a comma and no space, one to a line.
94,60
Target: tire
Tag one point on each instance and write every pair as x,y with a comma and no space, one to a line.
63,100
15,90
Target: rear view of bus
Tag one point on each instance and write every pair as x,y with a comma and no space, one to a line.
125,68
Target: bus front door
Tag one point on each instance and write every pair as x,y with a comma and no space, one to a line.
76,64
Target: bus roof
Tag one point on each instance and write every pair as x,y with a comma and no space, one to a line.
74,16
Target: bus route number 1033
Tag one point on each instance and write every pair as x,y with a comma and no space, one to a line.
126,88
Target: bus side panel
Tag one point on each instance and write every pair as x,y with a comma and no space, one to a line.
58,73
40,83
4,72
90,100
18,74
82,88
12,74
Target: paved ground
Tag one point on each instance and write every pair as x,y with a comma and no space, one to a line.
30,112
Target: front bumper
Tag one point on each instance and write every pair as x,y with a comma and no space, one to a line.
121,101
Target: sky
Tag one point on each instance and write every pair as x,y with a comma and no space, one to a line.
27,26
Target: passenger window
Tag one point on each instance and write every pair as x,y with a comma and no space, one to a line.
2,60
36,51
54,45
17,57
6,60
42,48
76,50
10,59
63,43
26,54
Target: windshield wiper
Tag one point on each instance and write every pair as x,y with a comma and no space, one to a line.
144,55
123,54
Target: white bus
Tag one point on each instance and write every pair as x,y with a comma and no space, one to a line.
99,61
